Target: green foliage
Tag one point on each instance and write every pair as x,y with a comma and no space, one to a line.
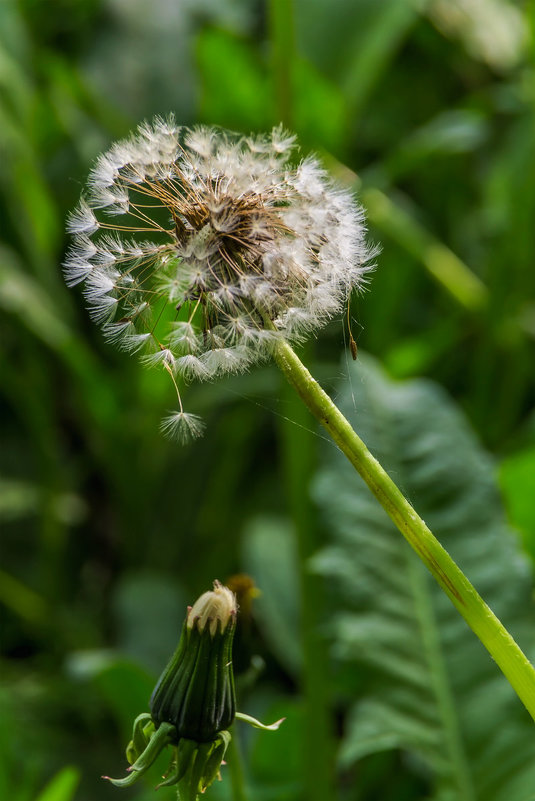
270,555
235,87
108,530
516,479
62,787
427,685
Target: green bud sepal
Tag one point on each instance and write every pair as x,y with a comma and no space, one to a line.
198,765
155,742
141,734
256,724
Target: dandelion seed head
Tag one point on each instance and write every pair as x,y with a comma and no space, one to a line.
201,248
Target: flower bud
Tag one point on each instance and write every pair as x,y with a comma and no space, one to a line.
195,693
215,607
193,703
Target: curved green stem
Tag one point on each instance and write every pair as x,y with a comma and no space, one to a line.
483,622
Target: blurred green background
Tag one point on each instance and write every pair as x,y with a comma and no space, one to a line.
426,108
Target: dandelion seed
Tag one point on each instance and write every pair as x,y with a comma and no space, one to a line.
118,333
76,270
82,220
212,247
182,427
163,357
102,309
183,338
219,361
191,368
135,342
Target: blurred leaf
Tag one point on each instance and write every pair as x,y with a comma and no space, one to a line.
274,760
62,787
451,132
127,688
149,609
415,355
31,206
37,310
20,499
354,42
319,108
33,209
374,47
455,276
125,685
13,81
425,683
270,558
517,479
494,32
23,601
20,294
347,39
235,90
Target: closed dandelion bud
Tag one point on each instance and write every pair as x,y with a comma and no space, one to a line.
195,693
193,703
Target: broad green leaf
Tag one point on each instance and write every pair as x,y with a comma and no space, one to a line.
422,681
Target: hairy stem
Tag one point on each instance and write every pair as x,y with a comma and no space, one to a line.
463,595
